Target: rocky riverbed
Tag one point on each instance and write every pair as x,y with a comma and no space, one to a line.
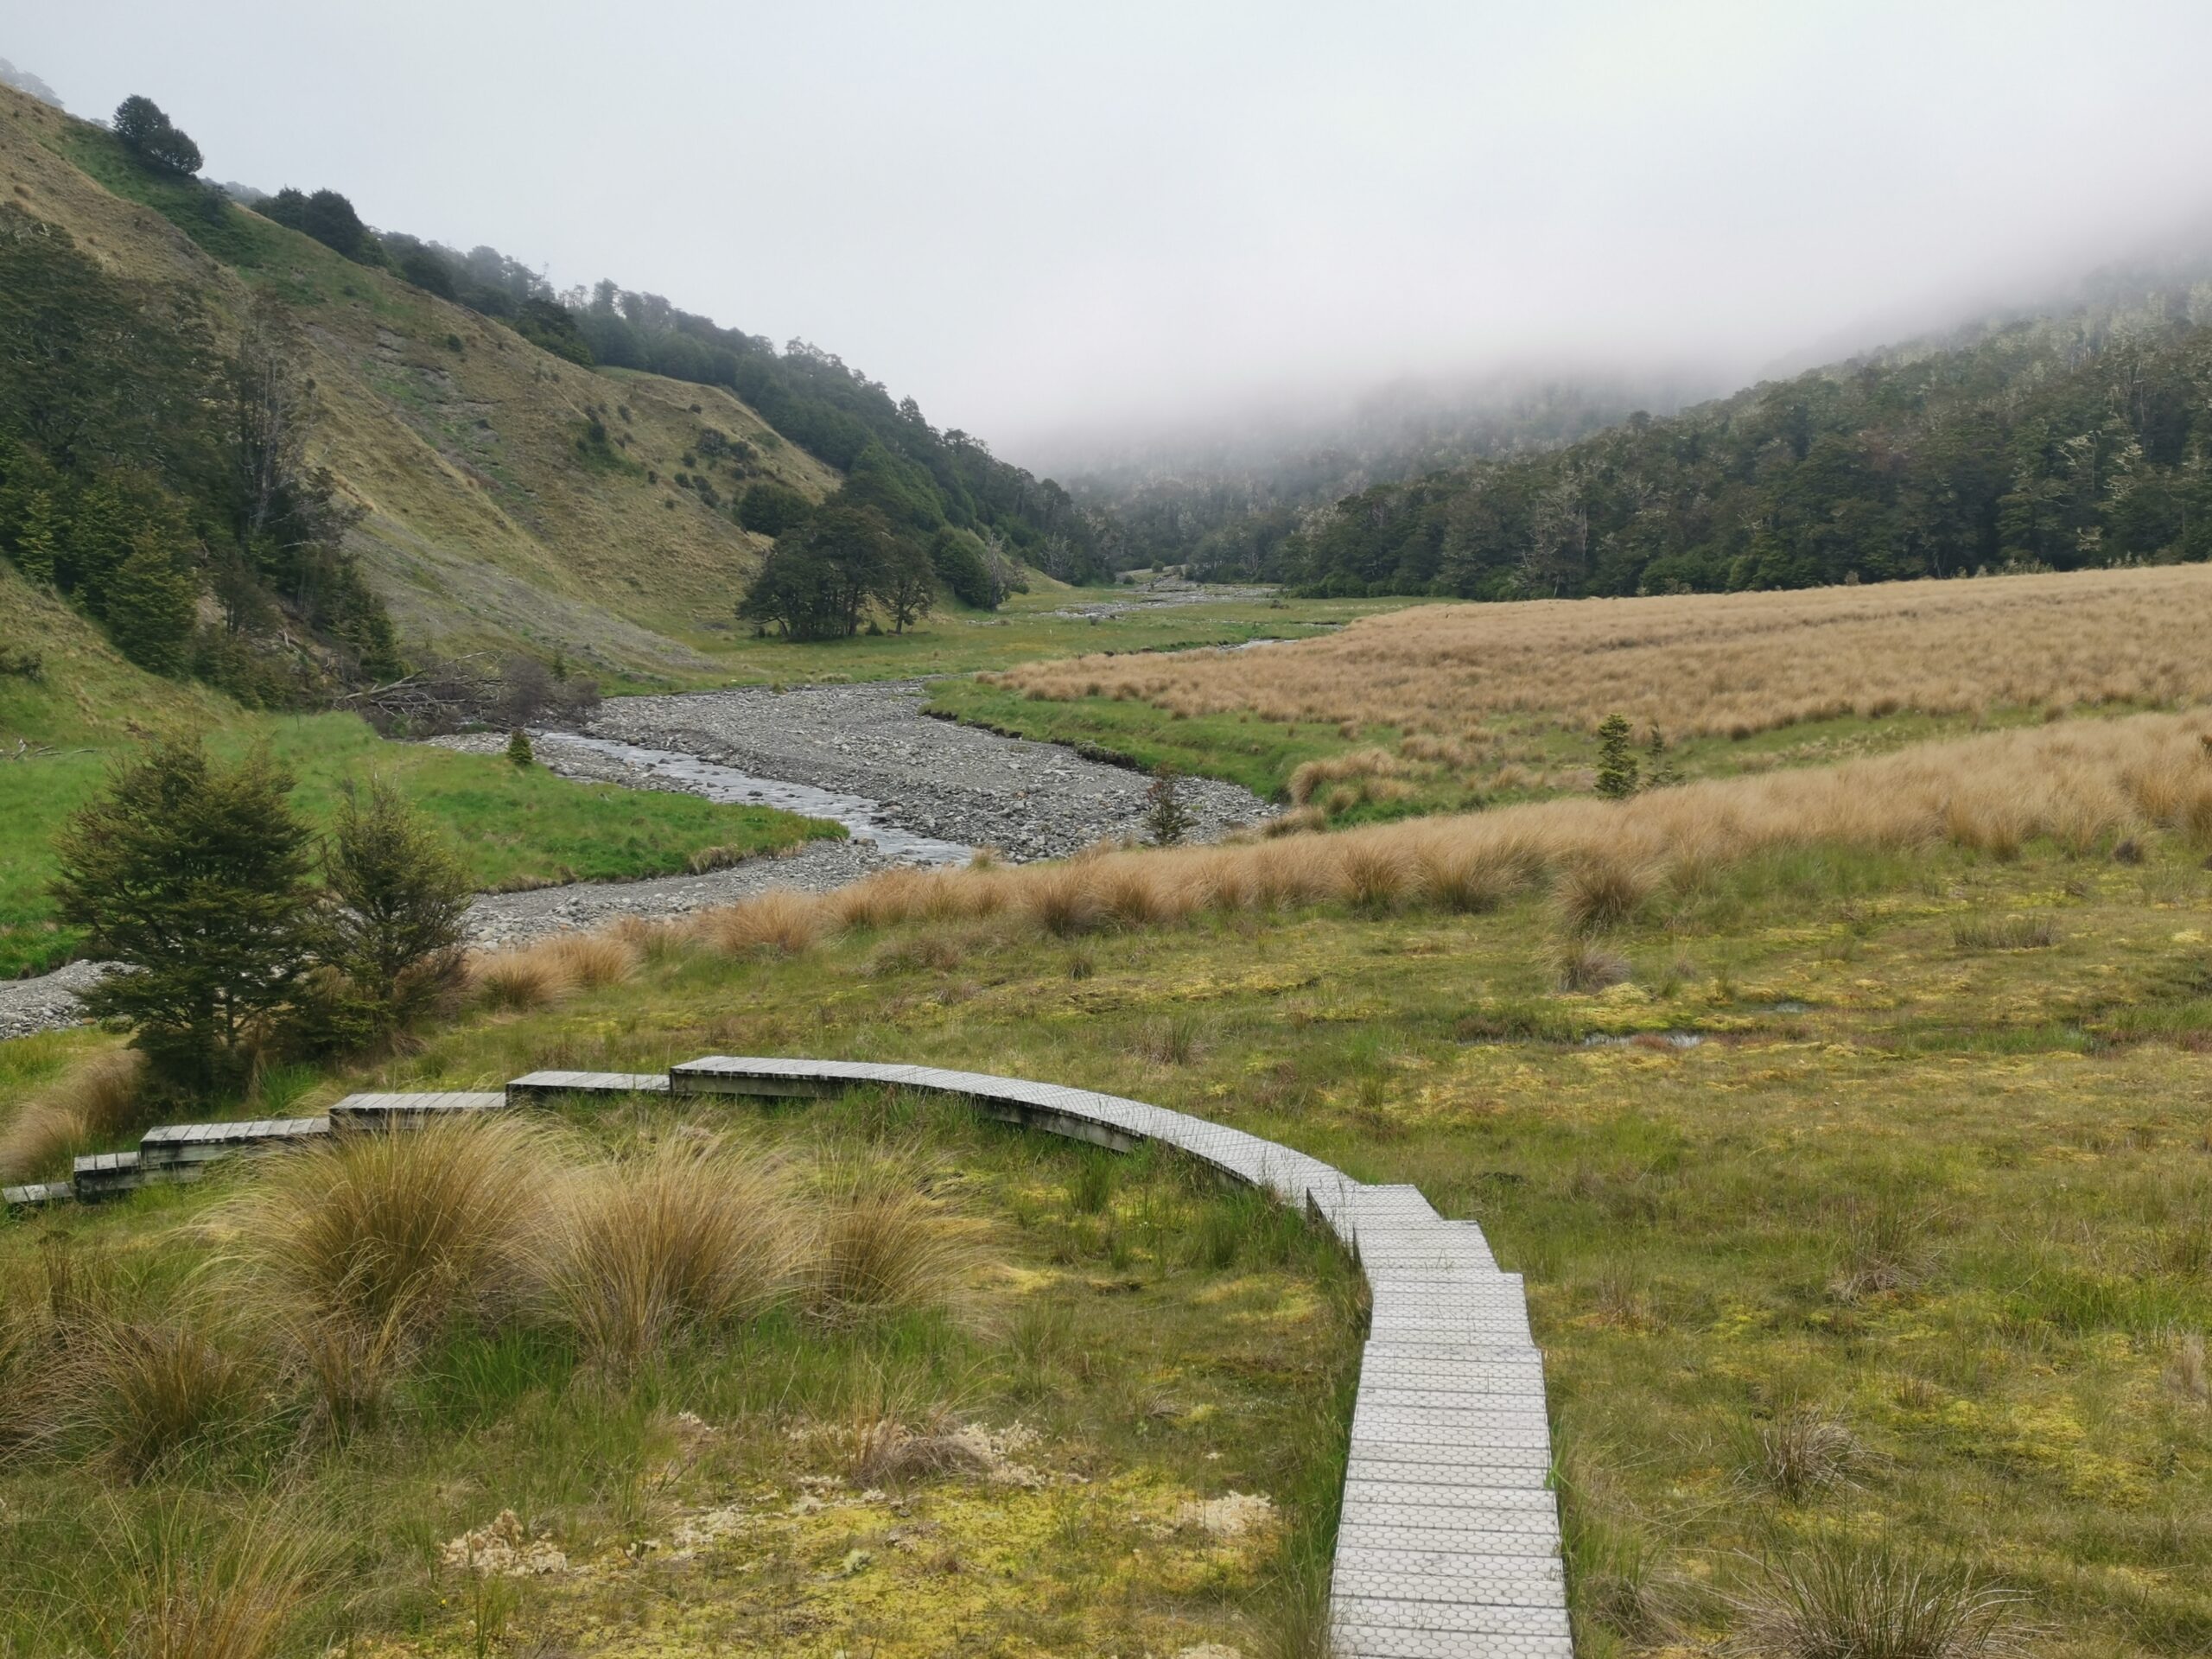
911,789
956,782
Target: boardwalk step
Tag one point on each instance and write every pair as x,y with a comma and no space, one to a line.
175,1144
539,1084
380,1112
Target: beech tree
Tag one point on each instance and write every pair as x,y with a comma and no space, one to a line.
194,875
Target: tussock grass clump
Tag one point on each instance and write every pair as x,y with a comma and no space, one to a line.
1583,968
591,960
779,922
519,979
2004,933
880,1246
1884,1248
1596,891
1846,1600
638,1252
140,1391
99,1099
1800,1453
384,1233
233,1597
1169,1040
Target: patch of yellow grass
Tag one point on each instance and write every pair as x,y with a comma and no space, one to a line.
97,1100
1712,665
2077,782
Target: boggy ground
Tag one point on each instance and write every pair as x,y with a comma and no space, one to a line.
1119,1429
1874,1203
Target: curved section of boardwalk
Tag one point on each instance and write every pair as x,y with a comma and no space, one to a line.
1448,1544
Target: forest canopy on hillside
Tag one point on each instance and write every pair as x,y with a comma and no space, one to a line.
2039,445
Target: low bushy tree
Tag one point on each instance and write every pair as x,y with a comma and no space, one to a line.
328,217
156,141
196,876
770,509
391,935
906,587
819,580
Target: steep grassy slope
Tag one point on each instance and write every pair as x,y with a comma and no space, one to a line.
487,520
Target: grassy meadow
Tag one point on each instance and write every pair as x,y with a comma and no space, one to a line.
862,1377
1032,627
1862,1177
1446,708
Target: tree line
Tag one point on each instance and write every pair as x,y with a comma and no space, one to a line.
2050,444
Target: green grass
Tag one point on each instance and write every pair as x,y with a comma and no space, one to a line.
955,641
1952,1200
512,828
1160,1346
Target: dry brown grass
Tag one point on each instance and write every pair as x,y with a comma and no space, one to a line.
533,975
778,921
881,1245
99,1099
2082,784
675,1242
1716,664
140,1391
380,1234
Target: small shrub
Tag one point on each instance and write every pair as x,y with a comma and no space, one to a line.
1846,1600
520,752
1617,762
1168,822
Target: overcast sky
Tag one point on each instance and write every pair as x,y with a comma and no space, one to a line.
1037,216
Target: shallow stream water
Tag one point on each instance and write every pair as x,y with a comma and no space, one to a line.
727,785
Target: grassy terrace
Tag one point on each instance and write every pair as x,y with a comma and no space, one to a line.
1871,1203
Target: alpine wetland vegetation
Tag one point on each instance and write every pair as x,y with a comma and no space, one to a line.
1841,1122
537,1372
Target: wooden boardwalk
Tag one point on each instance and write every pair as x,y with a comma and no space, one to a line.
1448,1543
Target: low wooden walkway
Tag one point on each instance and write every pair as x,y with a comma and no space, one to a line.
1448,1543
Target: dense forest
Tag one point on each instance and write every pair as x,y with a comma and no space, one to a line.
2036,444
1227,498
